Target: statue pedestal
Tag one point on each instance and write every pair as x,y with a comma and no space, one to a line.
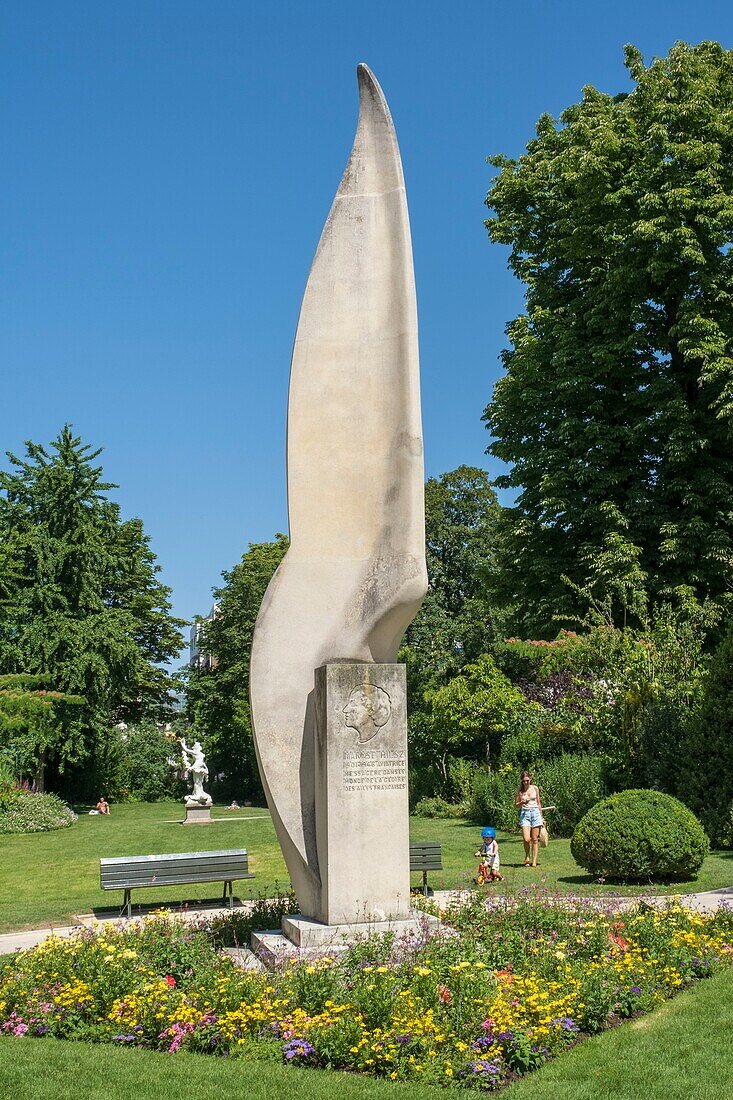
362,814
197,815
301,938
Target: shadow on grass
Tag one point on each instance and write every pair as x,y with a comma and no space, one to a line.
201,905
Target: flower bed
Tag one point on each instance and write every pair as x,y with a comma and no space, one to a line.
504,986
23,811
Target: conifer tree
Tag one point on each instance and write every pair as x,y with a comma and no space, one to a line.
83,607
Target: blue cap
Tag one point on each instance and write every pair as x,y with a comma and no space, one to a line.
489,832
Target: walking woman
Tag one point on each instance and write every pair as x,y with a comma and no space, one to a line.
530,817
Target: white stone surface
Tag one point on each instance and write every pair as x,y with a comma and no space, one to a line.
197,815
362,812
354,575
194,765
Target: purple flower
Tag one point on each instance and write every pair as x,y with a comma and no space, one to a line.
482,1043
635,989
566,1023
505,1036
298,1048
124,1038
403,1040
485,1069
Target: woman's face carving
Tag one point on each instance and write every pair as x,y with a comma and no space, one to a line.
367,709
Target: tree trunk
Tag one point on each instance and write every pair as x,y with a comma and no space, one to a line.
39,779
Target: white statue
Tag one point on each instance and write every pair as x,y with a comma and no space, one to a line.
195,765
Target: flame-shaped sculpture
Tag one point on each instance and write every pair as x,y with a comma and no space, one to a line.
354,575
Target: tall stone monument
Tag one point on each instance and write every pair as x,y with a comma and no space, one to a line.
328,701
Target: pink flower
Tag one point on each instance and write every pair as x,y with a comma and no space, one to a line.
170,980
444,995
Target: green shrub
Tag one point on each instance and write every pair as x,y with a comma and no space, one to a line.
522,745
706,779
572,783
25,812
436,807
492,798
640,836
235,929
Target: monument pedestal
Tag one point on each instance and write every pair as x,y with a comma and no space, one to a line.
362,812
197,815
301,937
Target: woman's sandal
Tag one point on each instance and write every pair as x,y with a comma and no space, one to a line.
527,863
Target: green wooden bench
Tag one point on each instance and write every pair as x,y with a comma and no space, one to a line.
130,873
426,857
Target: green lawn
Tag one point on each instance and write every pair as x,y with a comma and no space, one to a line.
683,1051
49,878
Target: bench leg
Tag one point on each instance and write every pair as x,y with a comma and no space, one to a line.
228,889
425,883
126,905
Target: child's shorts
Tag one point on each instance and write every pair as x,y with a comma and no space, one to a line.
531,819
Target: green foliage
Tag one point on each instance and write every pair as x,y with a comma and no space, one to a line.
627,695
266,911
640,835
614,412
82,606
472,711
573,783
436,807
455,623
149,763
23,811
492,798
34,722
706,770
218,696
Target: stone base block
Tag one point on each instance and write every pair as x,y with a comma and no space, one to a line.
197,815
306,933
302,937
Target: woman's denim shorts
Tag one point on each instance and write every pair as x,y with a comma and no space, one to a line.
531,819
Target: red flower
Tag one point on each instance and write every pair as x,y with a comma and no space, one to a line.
169,980
620,942
444,995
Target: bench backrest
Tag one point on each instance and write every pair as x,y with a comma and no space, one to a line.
126,872
426,857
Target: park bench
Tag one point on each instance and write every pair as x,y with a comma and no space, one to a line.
425,857
132,872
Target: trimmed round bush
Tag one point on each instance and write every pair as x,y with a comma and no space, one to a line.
25,812
639,836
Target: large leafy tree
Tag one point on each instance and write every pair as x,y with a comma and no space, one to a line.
615,409
218,693
81,603
455,623
706,766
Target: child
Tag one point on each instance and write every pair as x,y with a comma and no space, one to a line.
488,856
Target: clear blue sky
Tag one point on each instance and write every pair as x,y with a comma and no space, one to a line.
166,168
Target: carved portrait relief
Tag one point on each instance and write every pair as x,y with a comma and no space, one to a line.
368,709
